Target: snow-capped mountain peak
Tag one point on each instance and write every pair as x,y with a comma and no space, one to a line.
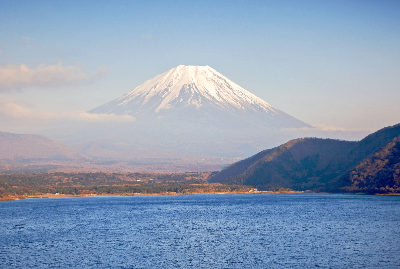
192,86
195,88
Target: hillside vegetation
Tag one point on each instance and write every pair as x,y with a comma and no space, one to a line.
368,166
20,186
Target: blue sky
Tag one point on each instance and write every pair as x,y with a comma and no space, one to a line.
332,64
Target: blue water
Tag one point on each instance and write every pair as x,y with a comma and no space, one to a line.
202,231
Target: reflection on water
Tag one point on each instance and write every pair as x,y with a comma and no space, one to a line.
202,231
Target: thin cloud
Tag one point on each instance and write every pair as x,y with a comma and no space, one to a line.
325,127
19,76
322,130
9,110
93,117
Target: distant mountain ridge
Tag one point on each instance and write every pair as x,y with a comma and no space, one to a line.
30,146
370,165
31,153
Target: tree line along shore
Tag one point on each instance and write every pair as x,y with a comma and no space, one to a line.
43,185
61,184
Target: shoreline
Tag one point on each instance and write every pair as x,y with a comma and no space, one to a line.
50,195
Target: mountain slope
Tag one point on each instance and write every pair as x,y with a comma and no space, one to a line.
378,173
300,164
196,110
28,146
323,164
197,93
238,168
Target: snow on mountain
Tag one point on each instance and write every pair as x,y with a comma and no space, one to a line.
197,90
195,109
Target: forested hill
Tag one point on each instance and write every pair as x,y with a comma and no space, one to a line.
370,165
378,173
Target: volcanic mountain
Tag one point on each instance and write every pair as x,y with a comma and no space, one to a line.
198,110
197,93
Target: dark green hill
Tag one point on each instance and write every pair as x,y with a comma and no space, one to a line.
300,164
315,164
374,142
378,173
238,167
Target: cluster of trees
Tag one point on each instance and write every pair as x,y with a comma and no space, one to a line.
378,173
23,185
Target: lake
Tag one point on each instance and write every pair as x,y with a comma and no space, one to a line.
202,231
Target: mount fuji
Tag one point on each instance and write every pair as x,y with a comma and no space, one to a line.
201,94
195,109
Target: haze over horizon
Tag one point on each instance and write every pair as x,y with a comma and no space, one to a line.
334,65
